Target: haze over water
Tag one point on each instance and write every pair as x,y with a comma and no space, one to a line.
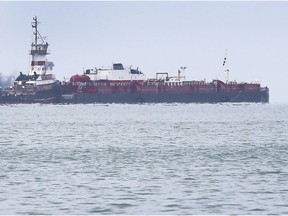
144,159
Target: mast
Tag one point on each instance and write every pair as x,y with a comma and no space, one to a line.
36,48
35,25
39,50
181,71
227,69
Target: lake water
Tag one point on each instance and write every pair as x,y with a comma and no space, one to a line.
144,159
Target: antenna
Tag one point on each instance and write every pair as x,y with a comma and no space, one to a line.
227,69
36,33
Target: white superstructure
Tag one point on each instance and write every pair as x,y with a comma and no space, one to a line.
115,73
41,69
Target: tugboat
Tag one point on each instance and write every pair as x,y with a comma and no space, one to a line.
119,84
39,85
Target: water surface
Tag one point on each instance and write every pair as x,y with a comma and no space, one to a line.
144,159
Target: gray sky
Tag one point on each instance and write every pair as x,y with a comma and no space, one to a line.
154,36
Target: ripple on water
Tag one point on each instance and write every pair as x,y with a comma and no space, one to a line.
144,159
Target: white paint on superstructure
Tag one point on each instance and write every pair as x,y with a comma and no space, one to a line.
116,73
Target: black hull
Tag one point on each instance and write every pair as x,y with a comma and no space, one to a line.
251,97
28,99
46,96
60,95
